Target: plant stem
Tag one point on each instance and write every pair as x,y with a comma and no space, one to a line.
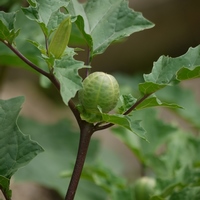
98,126
28,62
86,132
50,76
4,194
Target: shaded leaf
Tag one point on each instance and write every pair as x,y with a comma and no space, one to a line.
127,101
185,73
126,122
66,71
16,149
103,22
154,101
7,30
4,186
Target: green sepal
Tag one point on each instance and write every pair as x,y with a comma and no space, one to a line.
60,39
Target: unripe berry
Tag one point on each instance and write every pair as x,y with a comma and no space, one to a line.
99,89
144,188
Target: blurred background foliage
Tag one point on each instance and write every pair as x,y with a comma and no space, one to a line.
176,29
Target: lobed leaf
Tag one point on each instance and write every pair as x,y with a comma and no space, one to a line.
7,30
46,13
126,122
66,71
16,149
167,71
128,100
103,22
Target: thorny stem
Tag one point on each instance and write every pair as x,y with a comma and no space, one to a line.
86,132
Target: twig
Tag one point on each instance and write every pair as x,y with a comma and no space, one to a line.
98,126
27,61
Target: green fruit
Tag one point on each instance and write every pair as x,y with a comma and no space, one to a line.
99,90
144,188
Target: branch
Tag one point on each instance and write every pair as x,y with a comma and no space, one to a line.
28,62
50,76
4,194
98,126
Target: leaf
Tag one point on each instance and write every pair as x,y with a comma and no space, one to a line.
154,101
103,22
187,193
16,149
4,186
167,71
7,31
128,100
185,73
126,122
66,71
46,13
60,141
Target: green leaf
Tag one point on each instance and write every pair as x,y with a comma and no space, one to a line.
103,22
4,186
154,101
10,134
66,71
126,122
167,71
185,73
16,149
7,31
128,100
46,13
187,193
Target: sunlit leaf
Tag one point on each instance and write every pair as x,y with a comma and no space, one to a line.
167,71
103,22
